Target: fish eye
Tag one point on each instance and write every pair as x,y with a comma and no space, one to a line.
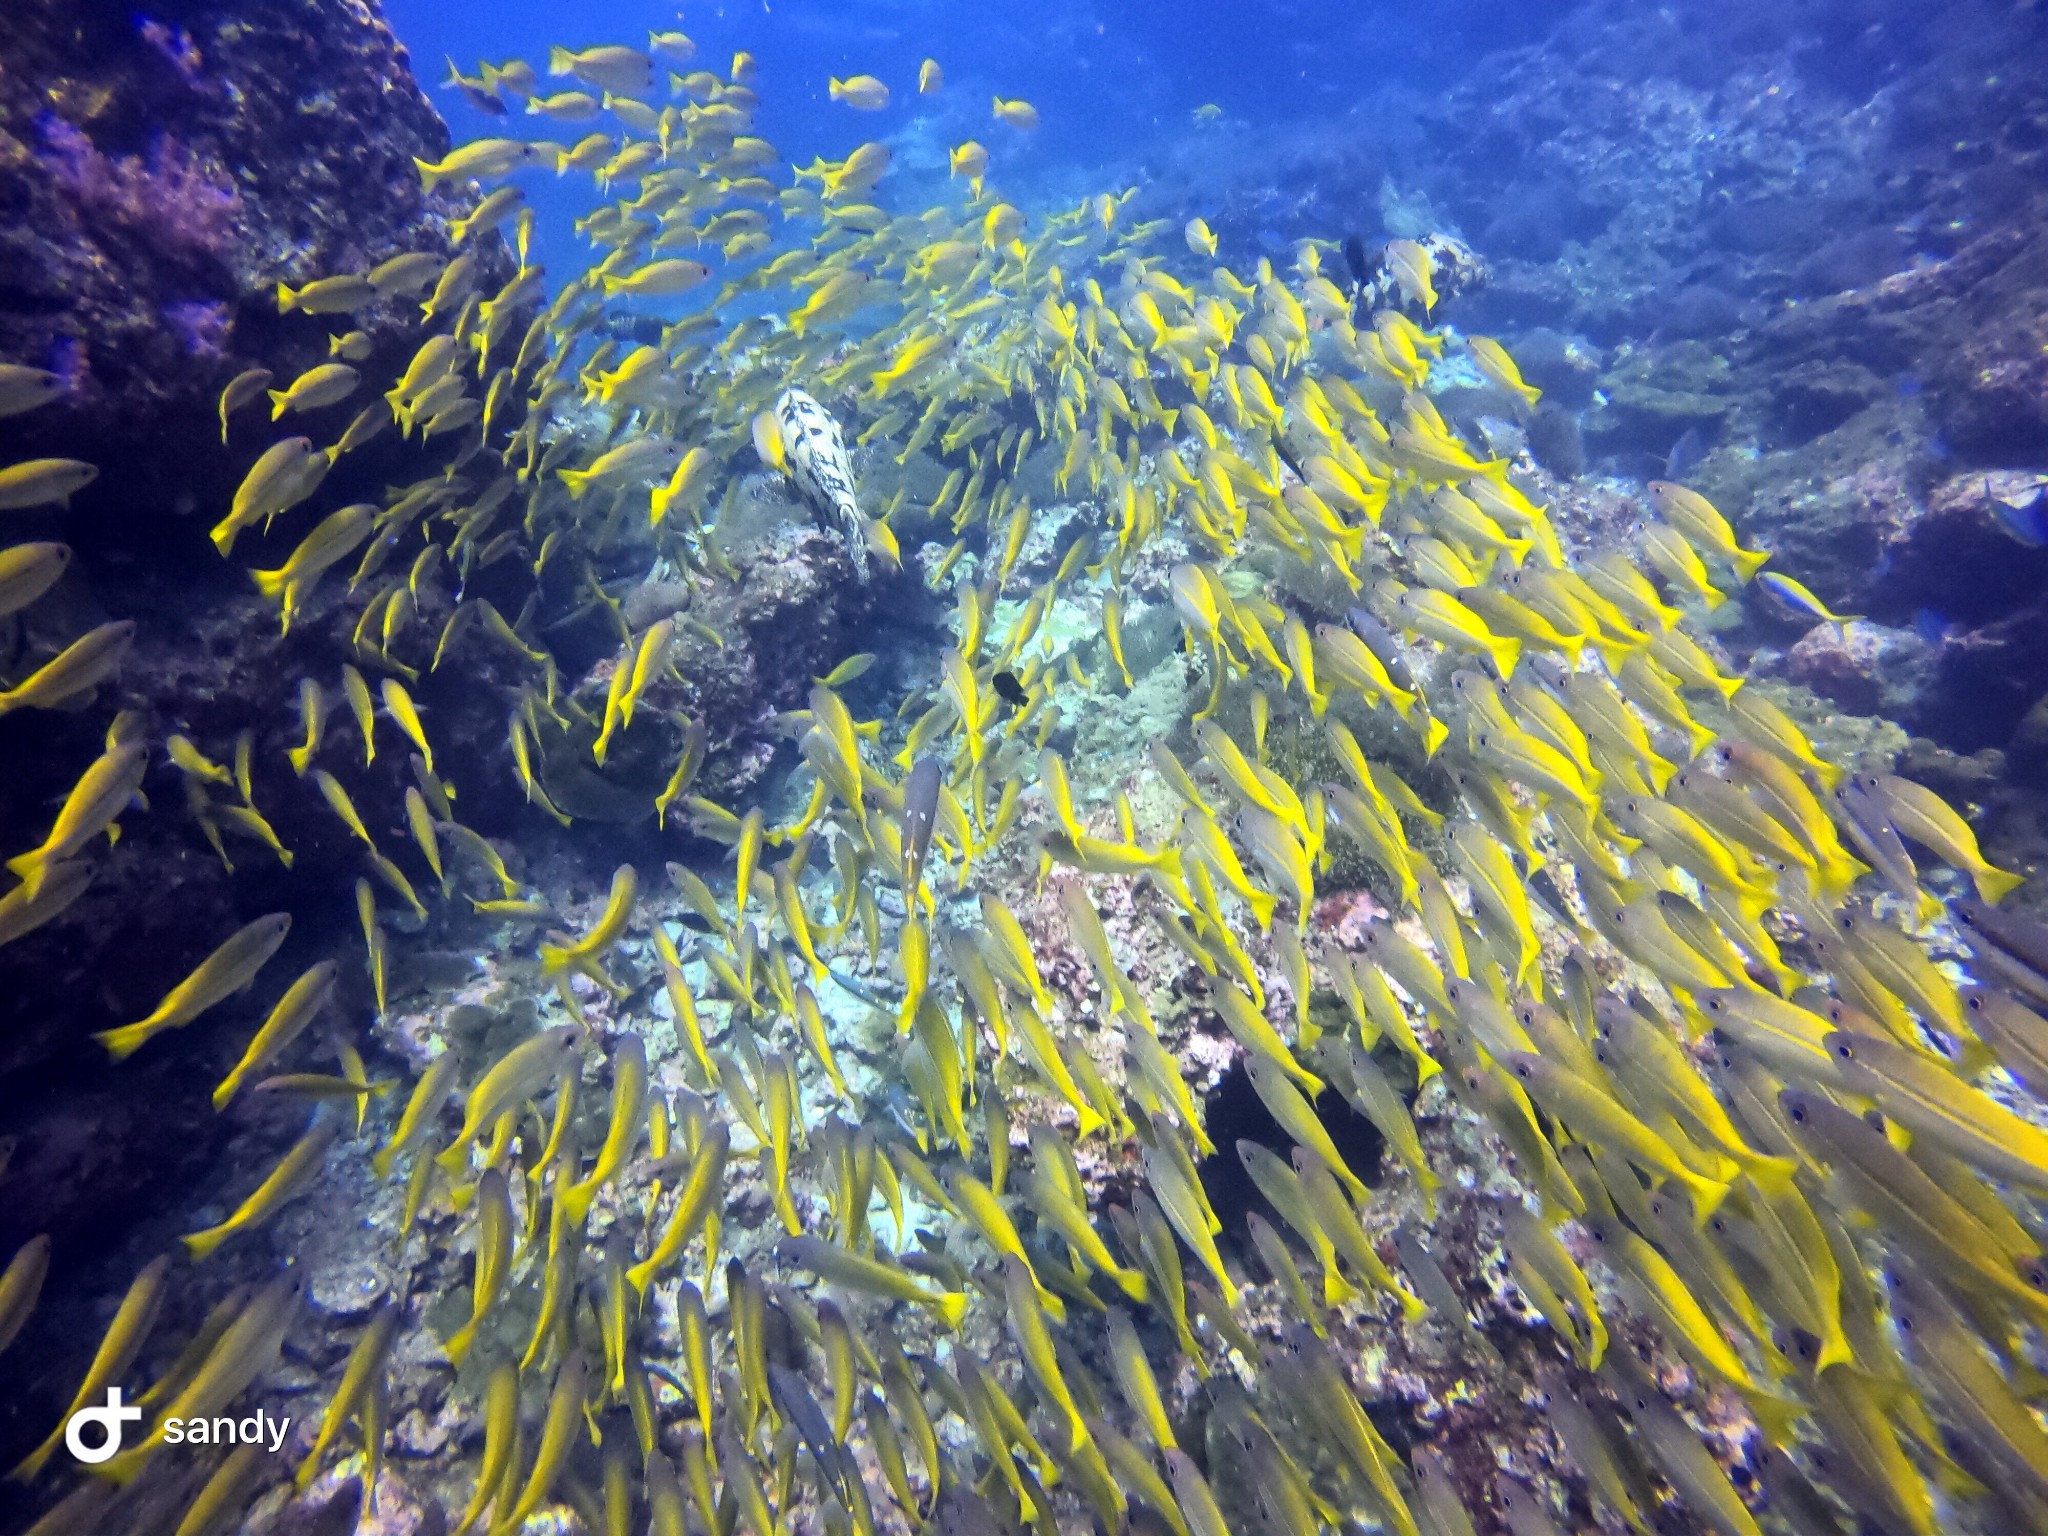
1845,1051
1797,1113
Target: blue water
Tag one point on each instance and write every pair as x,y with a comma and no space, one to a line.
1118,87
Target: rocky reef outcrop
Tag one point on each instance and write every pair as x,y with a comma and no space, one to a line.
159,175
1793,254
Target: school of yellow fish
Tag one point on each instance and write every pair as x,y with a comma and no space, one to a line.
1757,1124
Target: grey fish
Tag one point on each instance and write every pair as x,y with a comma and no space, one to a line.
2017,1035
920,810
793,1395
1382,643
2023,938
1436,1289
814,455
1525,1517
1687,452
1680,1454
1863,818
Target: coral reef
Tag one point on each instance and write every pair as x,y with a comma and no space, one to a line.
1073,784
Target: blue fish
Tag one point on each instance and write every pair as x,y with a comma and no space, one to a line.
2024,517
1685,454
1931,626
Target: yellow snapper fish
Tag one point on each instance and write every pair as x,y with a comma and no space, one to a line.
864,93
1018,114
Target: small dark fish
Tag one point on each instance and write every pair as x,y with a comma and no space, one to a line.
1012,691
483,101
2025,939
1871,829
1690,448
793,1396
866,994
920,808
1525,1516
1381,642
1436,1289
1354,258
963,1512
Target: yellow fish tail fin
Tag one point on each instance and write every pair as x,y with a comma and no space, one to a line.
1434,734
1834,1349
1993,884
1707,1195
1748,562
1776,1416
1772,1175
124,1042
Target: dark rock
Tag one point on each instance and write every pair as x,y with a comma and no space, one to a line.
156,182
1561,366
1852,261
1812,398
1955,557
154,194
1555,440
1654,394
1990,677
1949,773
1773,222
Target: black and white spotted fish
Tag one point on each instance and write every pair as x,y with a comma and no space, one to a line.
814,458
